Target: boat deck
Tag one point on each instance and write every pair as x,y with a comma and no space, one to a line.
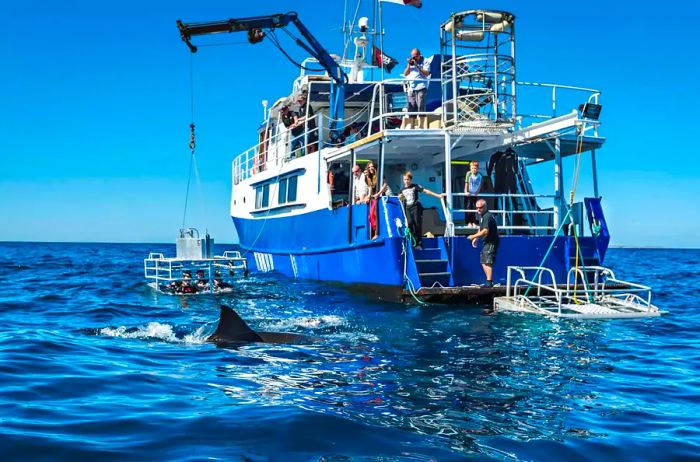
473,294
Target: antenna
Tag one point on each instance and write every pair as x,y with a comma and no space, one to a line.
265,103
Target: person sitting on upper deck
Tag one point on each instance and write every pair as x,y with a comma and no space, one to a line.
360,191
302,117
414,209
417,72
473,186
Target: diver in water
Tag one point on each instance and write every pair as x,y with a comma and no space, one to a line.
219,283
187,286
202,284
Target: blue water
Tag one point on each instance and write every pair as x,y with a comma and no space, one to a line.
95,366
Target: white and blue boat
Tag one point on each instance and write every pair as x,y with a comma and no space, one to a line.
291,200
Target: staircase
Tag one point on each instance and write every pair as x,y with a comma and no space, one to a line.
432,264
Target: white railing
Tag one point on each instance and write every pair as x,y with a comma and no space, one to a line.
557,92
281,147
378,112
551,299
507,215
161,270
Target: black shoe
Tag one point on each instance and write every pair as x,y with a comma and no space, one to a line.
487,285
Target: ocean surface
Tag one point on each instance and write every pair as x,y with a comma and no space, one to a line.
96,366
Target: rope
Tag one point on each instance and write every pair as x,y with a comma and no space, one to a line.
276,43
410,238
192,141
554,239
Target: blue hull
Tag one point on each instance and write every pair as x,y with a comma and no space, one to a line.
335,245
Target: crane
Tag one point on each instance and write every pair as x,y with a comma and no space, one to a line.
254,26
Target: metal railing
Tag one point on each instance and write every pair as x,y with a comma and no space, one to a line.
281,147
507,214
159,269
378,106
551,298
557,92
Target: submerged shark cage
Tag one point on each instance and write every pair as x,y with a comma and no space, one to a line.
478,69
591,292
194,275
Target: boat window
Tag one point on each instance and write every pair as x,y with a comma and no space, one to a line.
287,190
282,194
262,196
292,189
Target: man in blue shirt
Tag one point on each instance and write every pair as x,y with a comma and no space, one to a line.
417,73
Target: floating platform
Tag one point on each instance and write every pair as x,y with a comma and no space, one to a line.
472,293
600,296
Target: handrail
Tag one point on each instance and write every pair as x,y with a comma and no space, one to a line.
252,161
504,212
449,223
593,97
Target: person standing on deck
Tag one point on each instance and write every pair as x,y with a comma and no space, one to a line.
417,73
473,185
414,209
303,116
488,233
360,192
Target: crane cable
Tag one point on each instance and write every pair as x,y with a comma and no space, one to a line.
192,144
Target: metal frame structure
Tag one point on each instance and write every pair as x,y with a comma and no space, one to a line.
158,269
603,296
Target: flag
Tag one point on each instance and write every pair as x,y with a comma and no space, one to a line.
416,3
382,59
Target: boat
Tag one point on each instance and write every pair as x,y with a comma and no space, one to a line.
292,195
194,270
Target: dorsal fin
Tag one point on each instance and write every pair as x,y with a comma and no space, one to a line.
232,328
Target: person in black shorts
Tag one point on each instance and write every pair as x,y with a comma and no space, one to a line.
488,233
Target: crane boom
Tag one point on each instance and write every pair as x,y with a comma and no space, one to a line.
254,26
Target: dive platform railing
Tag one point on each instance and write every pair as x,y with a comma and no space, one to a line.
599,295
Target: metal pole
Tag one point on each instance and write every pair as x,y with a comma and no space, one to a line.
558,182
495,77
512,54
454,71
595,174
351,193
448,170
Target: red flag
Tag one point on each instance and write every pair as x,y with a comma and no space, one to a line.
382,59
416,3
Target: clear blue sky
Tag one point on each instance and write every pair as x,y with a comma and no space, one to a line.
95,108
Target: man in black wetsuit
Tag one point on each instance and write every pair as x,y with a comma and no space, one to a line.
488,233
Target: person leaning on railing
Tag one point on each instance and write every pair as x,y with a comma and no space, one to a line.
417,73
312,137
414,209
290,120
